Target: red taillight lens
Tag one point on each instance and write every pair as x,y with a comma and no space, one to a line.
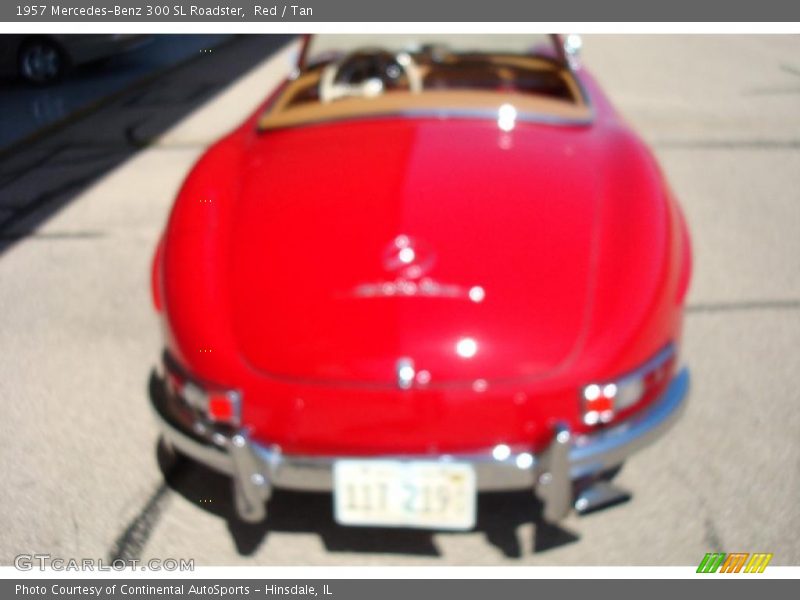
605,402
216,405
598,403
209,401
223,407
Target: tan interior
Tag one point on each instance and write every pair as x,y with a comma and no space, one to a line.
286,111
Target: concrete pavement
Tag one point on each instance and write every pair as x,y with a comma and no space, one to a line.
77,442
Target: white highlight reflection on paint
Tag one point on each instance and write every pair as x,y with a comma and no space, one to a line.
506,117
466,347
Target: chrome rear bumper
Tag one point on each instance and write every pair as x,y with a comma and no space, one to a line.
256,469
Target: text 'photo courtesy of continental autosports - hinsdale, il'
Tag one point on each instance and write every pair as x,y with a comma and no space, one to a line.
418,272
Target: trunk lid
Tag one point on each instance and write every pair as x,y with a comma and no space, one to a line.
455,246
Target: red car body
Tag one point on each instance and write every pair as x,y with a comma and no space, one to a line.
510,269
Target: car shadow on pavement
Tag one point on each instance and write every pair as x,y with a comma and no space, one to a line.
499,515
43,173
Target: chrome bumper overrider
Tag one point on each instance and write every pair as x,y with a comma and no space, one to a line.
256,469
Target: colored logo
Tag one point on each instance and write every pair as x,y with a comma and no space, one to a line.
736,562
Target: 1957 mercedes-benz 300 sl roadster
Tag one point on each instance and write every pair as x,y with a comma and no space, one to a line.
421,270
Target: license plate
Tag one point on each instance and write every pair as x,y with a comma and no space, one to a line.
391,493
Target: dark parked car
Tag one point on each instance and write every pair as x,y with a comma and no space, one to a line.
43,59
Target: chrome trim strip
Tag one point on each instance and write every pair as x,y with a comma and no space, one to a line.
451,113
652,364
488,115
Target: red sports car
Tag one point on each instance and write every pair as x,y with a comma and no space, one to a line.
424,268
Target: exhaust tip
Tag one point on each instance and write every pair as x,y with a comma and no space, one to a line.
599,495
